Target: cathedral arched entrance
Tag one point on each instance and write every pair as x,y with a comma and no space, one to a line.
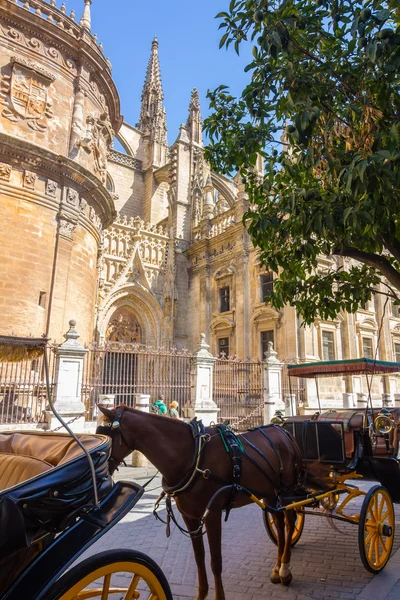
129,324
131,315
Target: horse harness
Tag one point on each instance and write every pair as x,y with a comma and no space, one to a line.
233,445
237,451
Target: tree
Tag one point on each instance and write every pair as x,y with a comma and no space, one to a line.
322,106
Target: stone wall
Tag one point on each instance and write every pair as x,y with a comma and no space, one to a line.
59,112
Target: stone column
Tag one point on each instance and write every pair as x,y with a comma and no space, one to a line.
387,401
142,403
272,373
204,406
362,400
348,400
68,383
290,405
397,400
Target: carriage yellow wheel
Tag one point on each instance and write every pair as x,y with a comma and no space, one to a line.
376,529
114,575
270,526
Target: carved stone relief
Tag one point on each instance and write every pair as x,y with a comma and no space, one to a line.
29,180
25,94
98,140
51,188
35,45
124,327
72,197
66,227
5,171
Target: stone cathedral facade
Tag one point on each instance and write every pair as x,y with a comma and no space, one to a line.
141,246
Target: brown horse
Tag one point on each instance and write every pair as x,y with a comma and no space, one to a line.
169,445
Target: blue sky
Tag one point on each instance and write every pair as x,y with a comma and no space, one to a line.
188,36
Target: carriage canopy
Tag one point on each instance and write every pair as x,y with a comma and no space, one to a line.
357,366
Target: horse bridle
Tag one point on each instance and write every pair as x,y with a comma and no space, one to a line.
111,429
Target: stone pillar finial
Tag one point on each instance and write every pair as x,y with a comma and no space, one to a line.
86,21
71,336
271,354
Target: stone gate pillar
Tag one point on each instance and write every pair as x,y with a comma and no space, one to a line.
348,400
70,357
204,405
362,400
142,403
272,374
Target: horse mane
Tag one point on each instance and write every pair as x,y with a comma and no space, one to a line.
131,409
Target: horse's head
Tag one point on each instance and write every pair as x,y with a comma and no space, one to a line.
110,423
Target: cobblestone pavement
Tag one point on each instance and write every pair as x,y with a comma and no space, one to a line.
325,562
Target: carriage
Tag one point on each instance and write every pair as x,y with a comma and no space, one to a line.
350,445
56,499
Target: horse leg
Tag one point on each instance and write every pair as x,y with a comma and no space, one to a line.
199,555
214,533
279,520
284,572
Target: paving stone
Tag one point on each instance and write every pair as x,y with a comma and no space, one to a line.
325,562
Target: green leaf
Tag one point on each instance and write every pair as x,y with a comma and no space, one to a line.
223,39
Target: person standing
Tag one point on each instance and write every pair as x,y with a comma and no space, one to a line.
173,410
159,407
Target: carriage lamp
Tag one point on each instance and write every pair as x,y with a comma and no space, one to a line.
384,423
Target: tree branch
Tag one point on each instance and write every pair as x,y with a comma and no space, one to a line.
393,246
373,260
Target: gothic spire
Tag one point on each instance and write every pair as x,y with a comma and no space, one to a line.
152,114
86,17
194,122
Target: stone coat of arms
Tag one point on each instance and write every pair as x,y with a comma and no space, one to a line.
26,94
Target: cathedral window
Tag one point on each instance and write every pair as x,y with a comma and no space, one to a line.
368,348
223,347
42,299
328,345
224,299
266,337
266,285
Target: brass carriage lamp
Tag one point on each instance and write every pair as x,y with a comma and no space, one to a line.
384,422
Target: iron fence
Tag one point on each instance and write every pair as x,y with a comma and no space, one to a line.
23,394
121,370
239,392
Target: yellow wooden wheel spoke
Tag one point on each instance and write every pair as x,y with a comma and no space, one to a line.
375,508
138,571
96,592
130,594
106,587
369,538
371,548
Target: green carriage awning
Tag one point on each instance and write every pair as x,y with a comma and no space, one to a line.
356,366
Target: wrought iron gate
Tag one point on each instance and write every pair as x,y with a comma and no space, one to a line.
123,370
23,395
239,392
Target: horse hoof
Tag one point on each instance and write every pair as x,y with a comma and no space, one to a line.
286,580
275,578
